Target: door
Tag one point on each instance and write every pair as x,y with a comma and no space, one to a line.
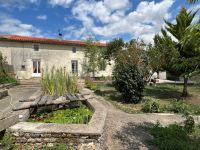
74,66
36,68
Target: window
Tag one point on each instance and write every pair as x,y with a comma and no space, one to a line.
75,66
36,47
23,67
74,49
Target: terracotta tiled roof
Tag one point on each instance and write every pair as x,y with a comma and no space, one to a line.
46,40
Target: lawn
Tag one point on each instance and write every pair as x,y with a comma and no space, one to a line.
167,96
175,137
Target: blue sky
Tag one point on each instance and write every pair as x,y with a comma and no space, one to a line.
78,19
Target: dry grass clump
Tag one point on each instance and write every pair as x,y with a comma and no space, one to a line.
58,82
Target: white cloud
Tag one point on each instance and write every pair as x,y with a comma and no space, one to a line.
21,4
10,25
116,4
42,17
64,3
110,18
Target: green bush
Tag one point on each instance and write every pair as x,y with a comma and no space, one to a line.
7,142
91,84
179,107
189,124
58,82
129,82
151,106
5,78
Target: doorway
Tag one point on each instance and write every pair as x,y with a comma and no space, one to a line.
36,68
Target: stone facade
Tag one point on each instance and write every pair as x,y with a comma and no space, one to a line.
22,54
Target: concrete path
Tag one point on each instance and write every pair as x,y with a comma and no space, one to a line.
125,131
23,91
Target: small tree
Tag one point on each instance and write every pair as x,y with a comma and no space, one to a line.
94,57
129,70
128,80
181,57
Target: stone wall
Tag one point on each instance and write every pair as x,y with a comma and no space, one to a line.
21,54
73,135
49,139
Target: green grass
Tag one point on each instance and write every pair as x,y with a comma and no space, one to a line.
167,95
79,115
174,137
55,147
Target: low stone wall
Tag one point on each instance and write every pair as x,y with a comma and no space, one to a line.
3,93
73,135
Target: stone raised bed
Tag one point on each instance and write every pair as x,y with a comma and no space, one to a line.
7,86
3,93
74,135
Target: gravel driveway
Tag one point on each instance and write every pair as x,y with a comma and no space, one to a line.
125,131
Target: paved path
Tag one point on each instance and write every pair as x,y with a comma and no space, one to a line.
16,93
123,131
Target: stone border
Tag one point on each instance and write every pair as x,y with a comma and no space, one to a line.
74,134
3,93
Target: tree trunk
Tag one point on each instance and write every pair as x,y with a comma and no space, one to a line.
185,91
93,74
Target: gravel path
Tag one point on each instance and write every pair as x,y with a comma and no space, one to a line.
125,131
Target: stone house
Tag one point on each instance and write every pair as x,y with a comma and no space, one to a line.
30,55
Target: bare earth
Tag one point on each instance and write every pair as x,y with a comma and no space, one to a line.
127,131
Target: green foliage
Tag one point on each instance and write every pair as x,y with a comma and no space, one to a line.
189,124
173,137
55,147
151,106
91,84
179,107
4,76
94,57
7,141
58,82
180,57
80,115
113,49
129,82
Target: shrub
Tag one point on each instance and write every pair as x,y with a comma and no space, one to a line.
173,137
7,141
151,106
5,78
58,82
129,82
189,124
179,107
91,84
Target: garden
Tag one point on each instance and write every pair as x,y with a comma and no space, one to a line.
5,77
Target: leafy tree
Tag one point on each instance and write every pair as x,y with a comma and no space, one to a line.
94,57
181,56
113,49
